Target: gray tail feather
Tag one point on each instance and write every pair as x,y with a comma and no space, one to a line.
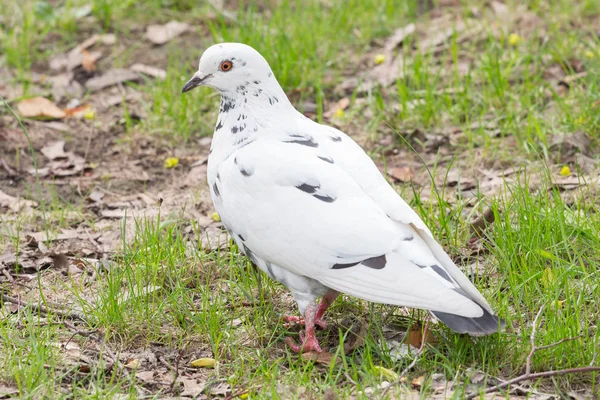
487,324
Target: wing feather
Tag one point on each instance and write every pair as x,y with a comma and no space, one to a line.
312,215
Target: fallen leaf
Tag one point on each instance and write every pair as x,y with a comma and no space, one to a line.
154,72
386,373
341,105
499,8
203,363
88,60
16,204
8,392
379,59
39,107
60,260
132,364
479,225
54,150
401,174
191,387
161,34
215,216
146,376
110,78
65,234
79,111
96,196
358,338
418,382
74,57
61,163
64,85
398,37
323,358
220,390
415,336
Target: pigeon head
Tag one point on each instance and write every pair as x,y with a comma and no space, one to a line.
230,67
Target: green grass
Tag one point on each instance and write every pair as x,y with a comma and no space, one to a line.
162,291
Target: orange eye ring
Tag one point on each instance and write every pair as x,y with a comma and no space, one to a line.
226,66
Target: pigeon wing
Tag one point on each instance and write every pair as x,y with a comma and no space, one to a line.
309,215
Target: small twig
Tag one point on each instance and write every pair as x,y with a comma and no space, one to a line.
528,375
412,364
7,168
561,341
77,331
532,341
349,378
7,274
73,315
175,371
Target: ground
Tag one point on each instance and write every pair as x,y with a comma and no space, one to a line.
117,280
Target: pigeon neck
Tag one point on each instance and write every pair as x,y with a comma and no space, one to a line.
248,110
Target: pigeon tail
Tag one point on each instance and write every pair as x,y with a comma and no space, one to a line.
487,324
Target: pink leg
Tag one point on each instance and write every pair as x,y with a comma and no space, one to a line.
326,301
308,339
312,316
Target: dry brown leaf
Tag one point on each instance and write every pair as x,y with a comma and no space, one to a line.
65,234
191,387
110,78
439,30
146,376
418,382
63,85
479,225
570,143
79,111
54,150
401,174
88,60
415,336
154,72
39,107
60,261
7,392
454,178
342,104
61,163
16,204
221,389
357,339
397,38
132,364
500,9
214,238
161,34
324,357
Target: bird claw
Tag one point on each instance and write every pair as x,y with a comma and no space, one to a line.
309,344
290,320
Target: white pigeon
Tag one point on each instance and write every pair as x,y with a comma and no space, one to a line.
309,207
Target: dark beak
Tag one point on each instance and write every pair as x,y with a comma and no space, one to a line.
192,83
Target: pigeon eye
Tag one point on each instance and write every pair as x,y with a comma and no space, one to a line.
226,65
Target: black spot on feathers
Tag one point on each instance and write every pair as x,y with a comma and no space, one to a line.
378,262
